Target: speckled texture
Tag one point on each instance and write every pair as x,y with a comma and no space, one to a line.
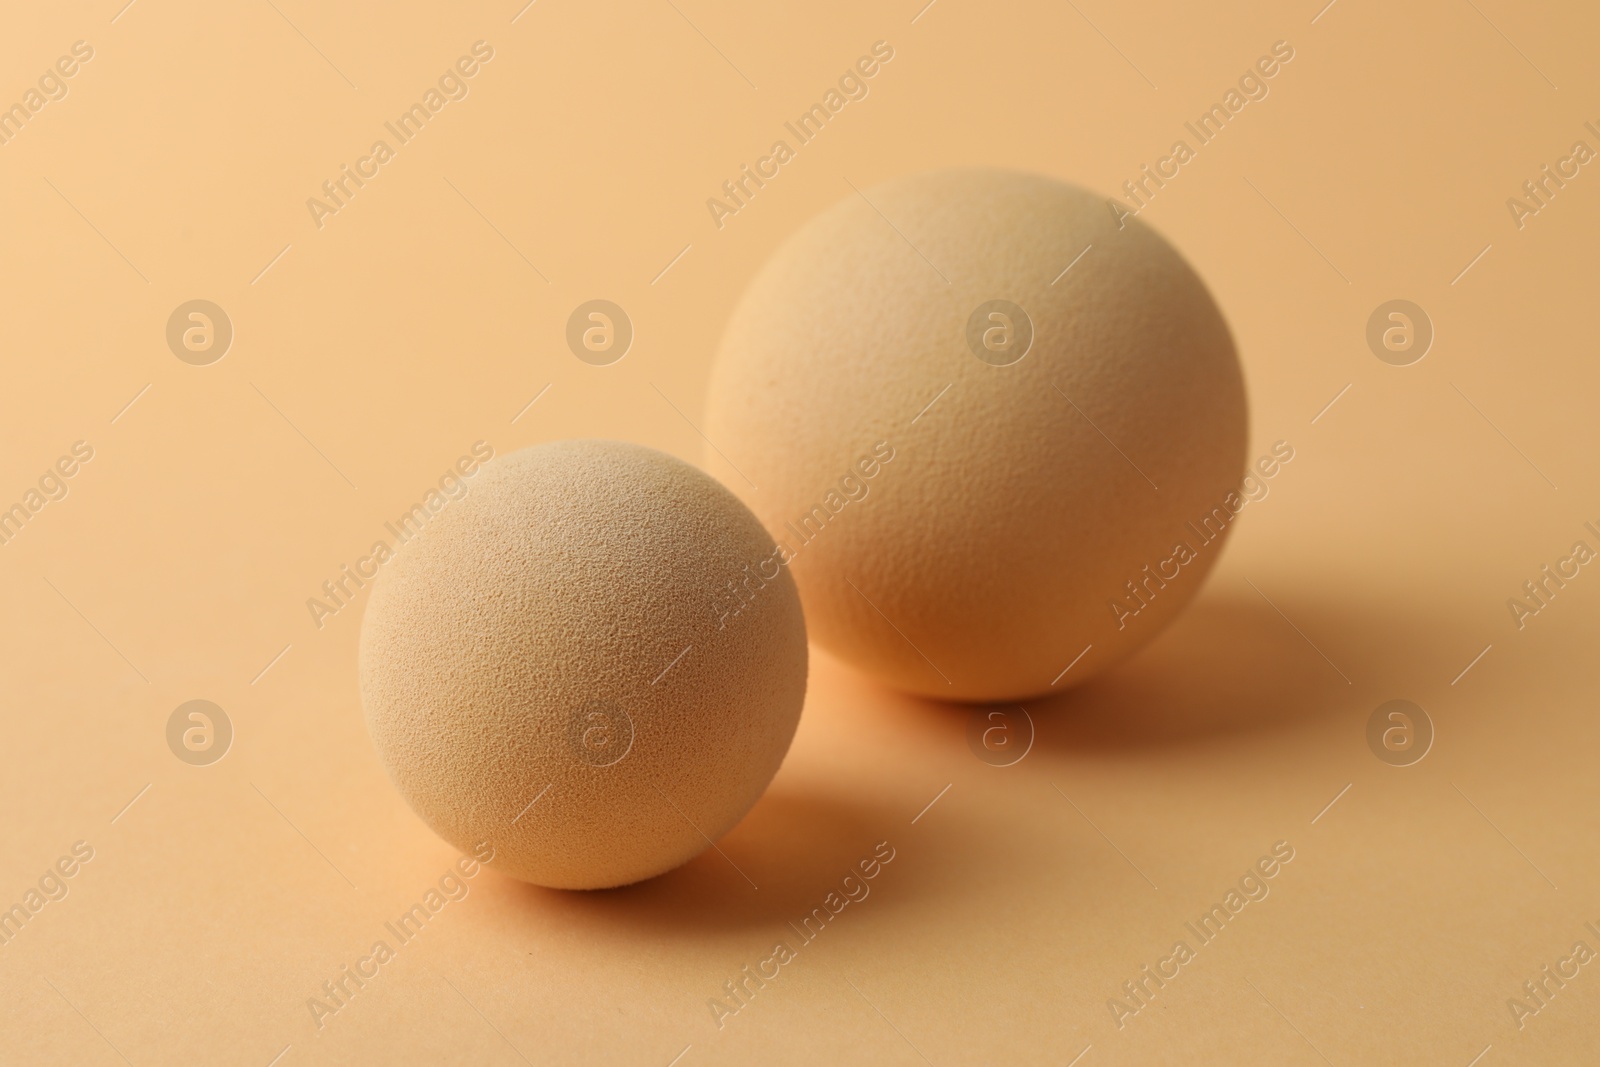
570,578
985,555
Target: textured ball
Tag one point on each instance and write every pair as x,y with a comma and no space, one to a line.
572,663
976,409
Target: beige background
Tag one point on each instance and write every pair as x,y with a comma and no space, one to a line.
428,312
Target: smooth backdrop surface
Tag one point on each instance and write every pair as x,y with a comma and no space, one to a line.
375,345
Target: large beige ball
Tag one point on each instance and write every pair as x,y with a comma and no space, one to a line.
966,508
570,664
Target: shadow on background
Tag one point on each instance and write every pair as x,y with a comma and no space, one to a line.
794,846
1231,665
1227,665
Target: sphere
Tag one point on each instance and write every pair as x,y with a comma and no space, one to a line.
578,662
998,426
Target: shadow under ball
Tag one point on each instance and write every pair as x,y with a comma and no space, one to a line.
559,664
1041,460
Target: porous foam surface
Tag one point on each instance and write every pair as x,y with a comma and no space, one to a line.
562,637
987,553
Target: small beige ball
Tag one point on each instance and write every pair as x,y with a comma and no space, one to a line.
572,663
976,408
